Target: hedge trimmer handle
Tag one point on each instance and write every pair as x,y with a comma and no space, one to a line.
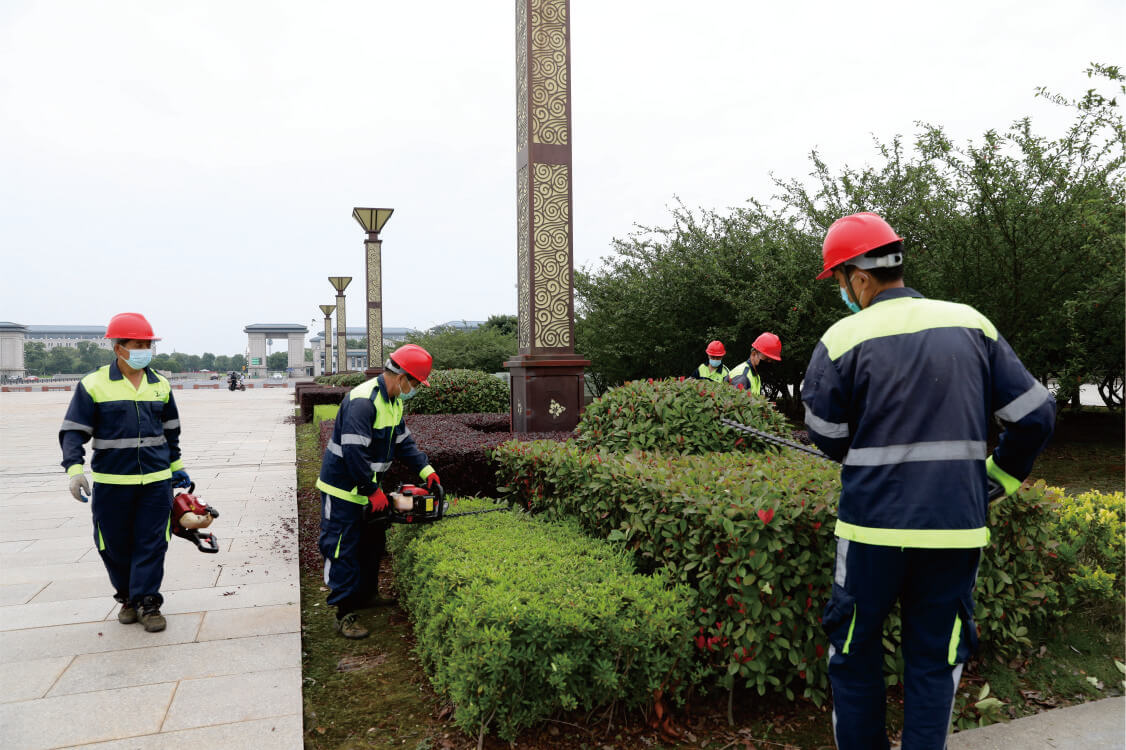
996,491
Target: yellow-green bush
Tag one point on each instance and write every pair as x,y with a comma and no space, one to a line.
1091,530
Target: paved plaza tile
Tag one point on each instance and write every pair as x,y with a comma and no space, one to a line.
226,671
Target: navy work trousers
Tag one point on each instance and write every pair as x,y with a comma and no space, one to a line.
935,591
131,530
352,544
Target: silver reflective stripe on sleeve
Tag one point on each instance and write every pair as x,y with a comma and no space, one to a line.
68,425
353,439
823,427
1024,404
148,442
938,450
381,467
406,434
172,424
334,449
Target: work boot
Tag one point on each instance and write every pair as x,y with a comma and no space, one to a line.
349,627
127,615
151,618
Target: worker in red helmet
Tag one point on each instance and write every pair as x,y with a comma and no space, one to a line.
714,368
902,393
745,374
370,433
127,409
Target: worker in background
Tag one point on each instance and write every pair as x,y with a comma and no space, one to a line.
713,369
370,432
745,374
128,411
902,393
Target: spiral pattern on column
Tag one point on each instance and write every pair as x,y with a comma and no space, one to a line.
549,72
551,255
523,293
521,74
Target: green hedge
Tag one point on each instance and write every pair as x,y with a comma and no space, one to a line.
679,416
347,379
461,392
517,619
752,534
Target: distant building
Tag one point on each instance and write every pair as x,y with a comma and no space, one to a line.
69,336
466,325
357,359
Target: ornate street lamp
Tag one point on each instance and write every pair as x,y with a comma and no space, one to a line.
327,310
372,220
340,283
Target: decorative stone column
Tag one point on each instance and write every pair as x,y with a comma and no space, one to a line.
340,283
327,310
372,220
547,375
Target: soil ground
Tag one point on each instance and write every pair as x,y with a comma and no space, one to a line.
372,693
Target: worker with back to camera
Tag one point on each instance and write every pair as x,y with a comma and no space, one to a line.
370,432
714,368
745,375
127,409
901,393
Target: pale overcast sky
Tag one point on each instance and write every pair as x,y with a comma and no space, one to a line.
199,161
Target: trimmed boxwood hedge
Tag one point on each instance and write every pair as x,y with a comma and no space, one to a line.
517,619
753,535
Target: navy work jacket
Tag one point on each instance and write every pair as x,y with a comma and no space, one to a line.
901,394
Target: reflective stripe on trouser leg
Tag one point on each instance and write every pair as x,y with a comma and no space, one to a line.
109,504
151,517
939,635
341,523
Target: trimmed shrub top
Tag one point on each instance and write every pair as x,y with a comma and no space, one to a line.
677,416
346,379
517,619
460,392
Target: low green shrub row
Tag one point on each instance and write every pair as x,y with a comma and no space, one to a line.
1091,529
346,379
518,619
752,535
676,416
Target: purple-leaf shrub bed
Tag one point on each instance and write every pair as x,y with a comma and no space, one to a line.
459,447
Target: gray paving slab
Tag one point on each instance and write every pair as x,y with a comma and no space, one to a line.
226,671
1098,725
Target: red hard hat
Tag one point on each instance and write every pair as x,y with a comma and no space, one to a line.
715,349
768,345
130,326
852,236
414,361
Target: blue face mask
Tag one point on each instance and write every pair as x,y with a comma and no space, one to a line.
851,305
715,362
139,358
408,396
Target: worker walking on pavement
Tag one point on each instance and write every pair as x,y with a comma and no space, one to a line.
745,374
128,411
370,432
713,369
902,393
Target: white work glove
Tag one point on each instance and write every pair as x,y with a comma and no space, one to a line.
78,485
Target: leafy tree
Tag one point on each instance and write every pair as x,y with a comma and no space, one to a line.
277,361
207,361
484,348
1027,229
506,324
35,357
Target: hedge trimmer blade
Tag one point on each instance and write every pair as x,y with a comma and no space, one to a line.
773,439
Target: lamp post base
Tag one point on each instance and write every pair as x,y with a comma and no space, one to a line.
547,392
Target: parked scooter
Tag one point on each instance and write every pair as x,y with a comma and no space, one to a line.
234,382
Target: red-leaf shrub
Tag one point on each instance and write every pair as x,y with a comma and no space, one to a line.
753,535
